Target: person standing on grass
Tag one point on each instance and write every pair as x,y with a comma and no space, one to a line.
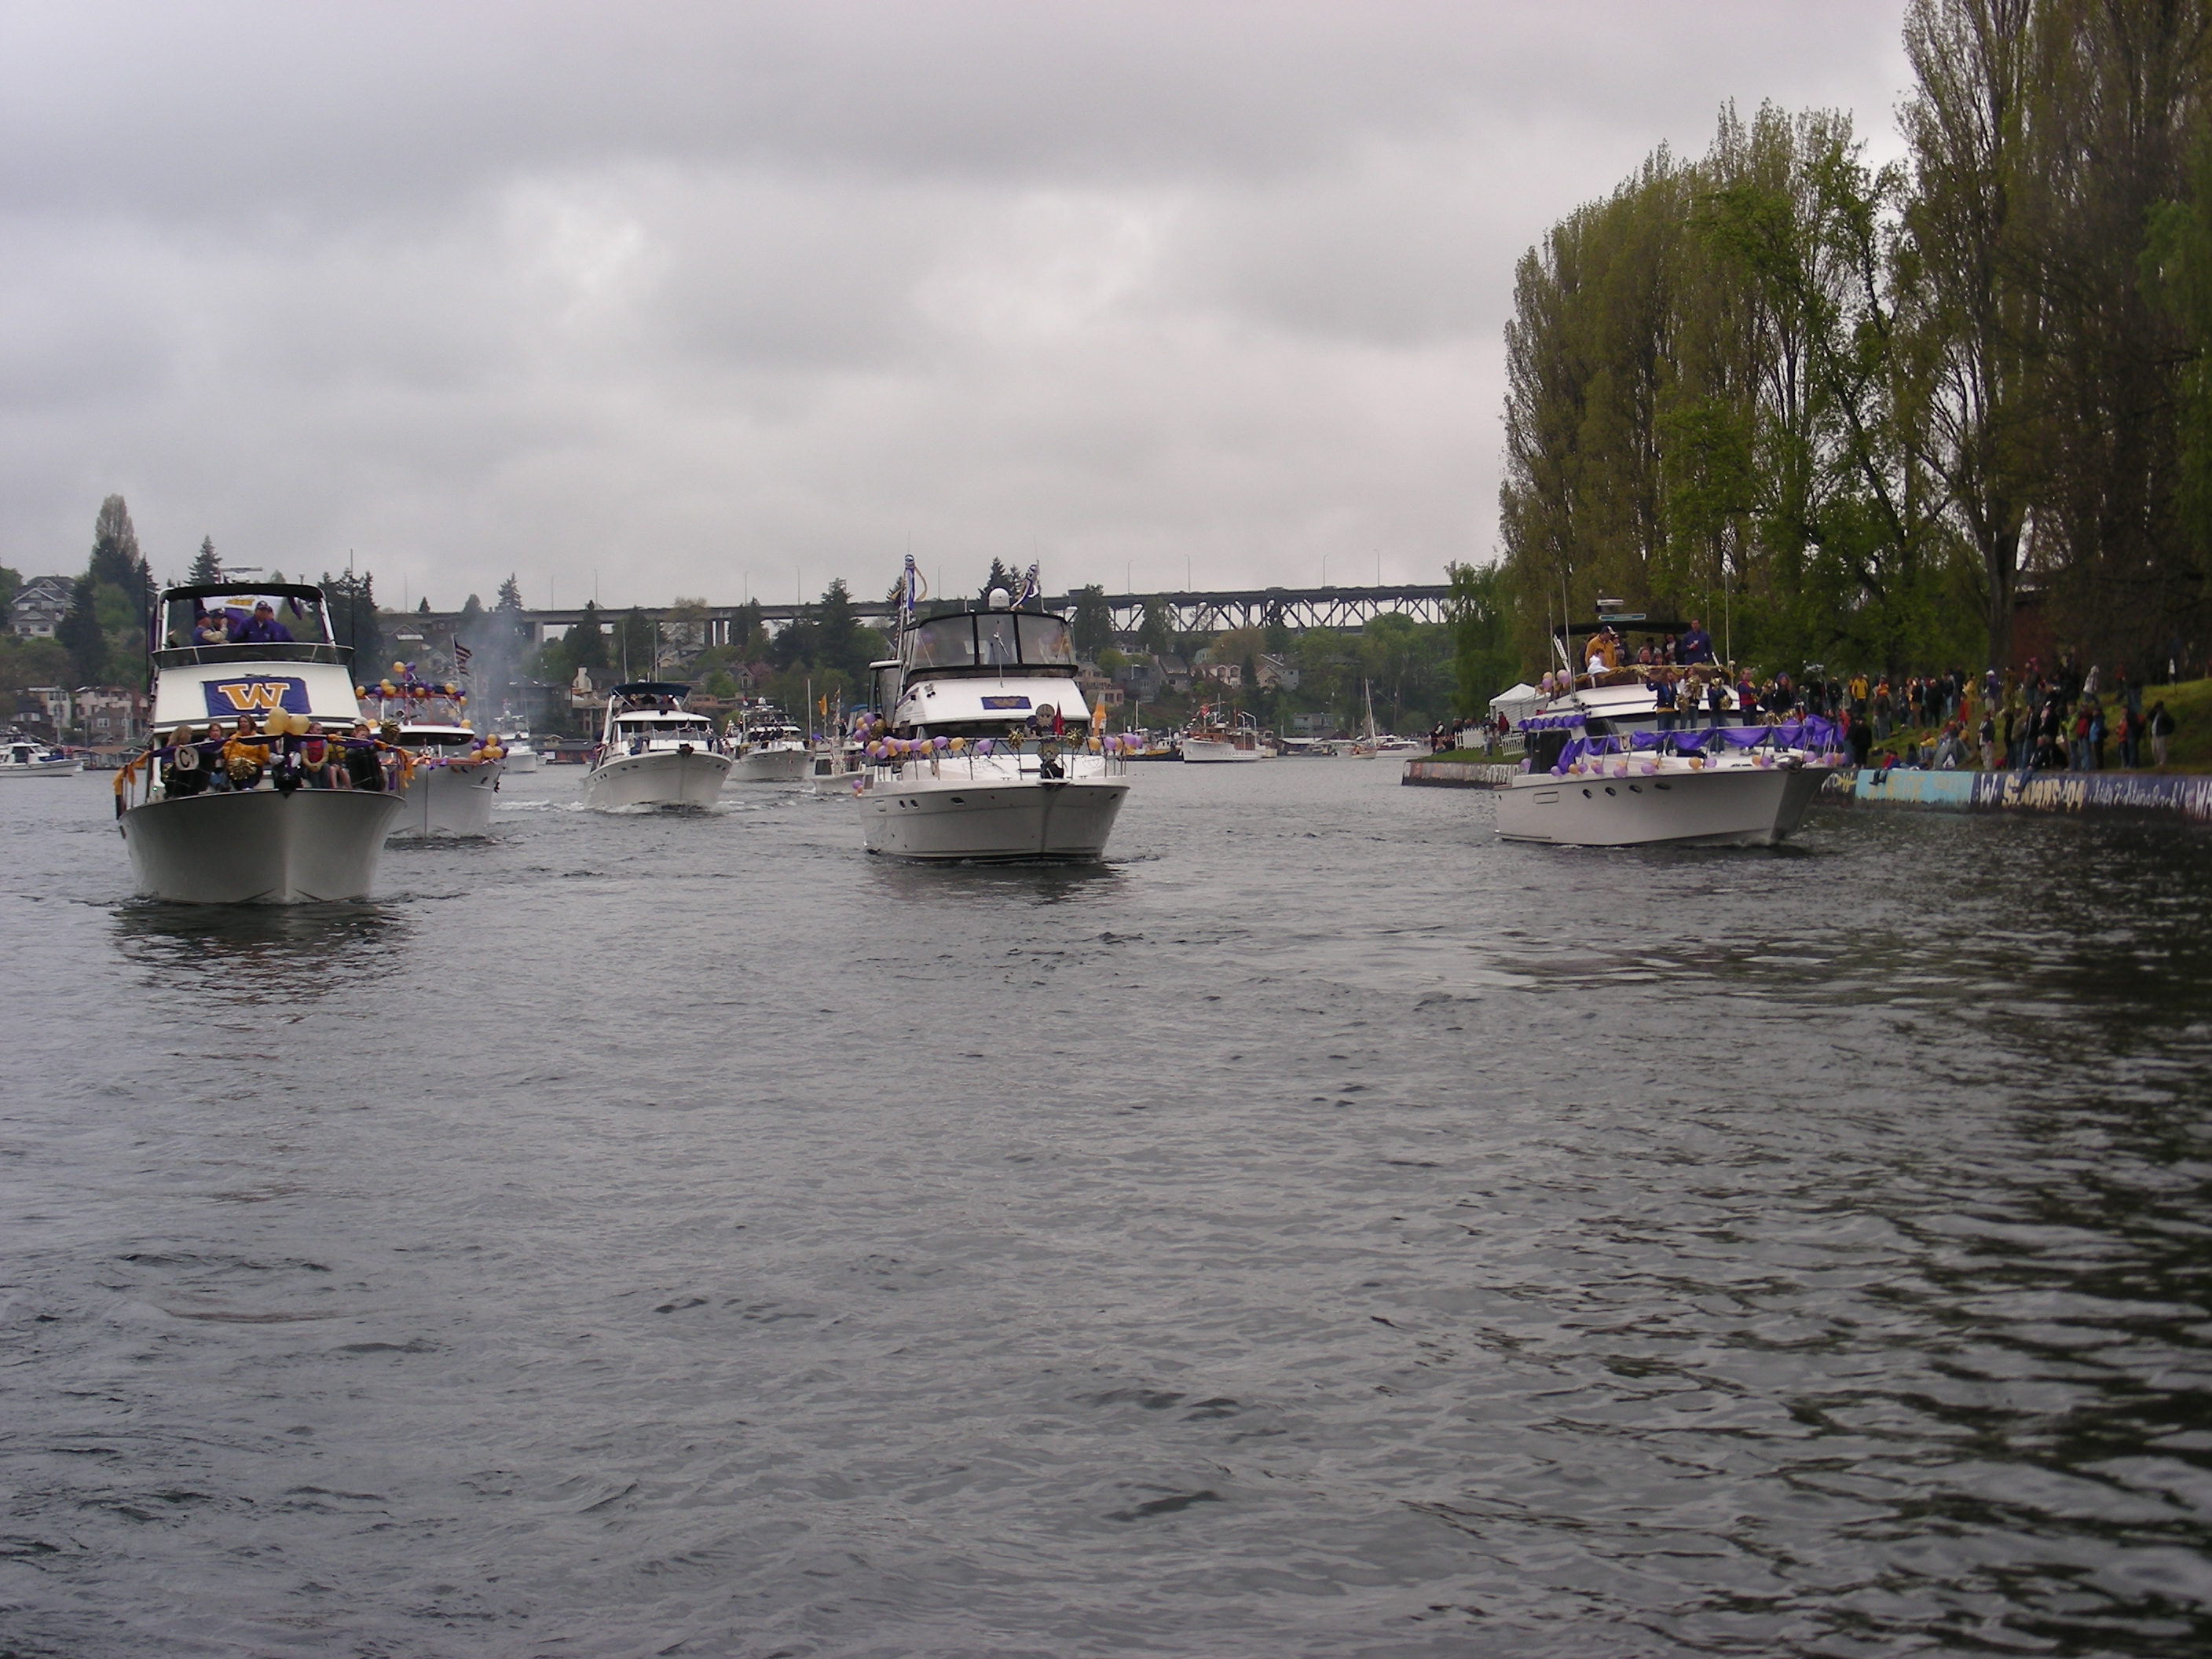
2160,725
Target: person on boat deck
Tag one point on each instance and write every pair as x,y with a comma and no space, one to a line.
210,630
262,627
244,757
315,768
1716,704
187,774
363,769
1663,694
1696,644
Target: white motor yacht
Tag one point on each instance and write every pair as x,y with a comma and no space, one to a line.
836,770
1215,742
769,748
20,757
456,773
519,753
654,751
248,814
1608,765
989,755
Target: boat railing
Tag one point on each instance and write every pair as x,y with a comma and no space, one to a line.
184,656
247,762
1043,760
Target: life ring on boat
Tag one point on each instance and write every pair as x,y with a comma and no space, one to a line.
186,758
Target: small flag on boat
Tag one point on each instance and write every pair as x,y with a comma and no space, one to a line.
1028,589
461,655
910,590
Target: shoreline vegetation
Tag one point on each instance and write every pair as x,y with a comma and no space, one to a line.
1955,410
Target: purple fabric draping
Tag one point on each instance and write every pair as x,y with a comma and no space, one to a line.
1551,722
1812,732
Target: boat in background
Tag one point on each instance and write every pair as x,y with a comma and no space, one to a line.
989,755
1216,742
769,747
1608,765
450,789
654,751
522,754
836,770
21,758
251,815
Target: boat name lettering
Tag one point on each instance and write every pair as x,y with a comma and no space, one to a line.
1005,702
257,697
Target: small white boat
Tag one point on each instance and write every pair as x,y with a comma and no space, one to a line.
280,826
1214,744
654,751
520,755
456,773
20,757
835,770
769,748
989,755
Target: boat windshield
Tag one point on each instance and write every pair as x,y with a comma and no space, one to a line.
994,639
943,642
244,617
1045,640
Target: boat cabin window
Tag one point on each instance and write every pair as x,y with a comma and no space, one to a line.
1045,640
943,642
239,618
994,635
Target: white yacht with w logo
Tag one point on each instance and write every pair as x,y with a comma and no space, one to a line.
248,793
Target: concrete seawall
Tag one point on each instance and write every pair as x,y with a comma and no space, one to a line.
1459,774
2088,793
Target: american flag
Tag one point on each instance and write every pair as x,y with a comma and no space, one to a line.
461,655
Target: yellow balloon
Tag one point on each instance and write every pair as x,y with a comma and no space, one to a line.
959,743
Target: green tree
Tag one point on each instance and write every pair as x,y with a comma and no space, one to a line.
105,631
1156,632
585,644
206,567
350,601
1092,625
1483,656
11,583
1000,577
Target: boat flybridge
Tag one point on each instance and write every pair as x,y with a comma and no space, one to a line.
769,748
1623,754
255,788
456,773
988,754
654,751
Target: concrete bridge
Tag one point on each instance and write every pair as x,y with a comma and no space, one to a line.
1347,610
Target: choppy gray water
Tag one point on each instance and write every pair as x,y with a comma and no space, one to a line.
1321,1230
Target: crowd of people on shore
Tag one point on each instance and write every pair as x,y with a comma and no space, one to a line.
2064,719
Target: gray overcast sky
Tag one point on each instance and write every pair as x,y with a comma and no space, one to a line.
702,298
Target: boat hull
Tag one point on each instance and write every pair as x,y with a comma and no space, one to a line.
662,778
1206,752
442,800
1746,807
523,761
771,766
1001,820
62,768
259,847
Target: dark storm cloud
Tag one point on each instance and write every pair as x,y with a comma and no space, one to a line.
682,294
